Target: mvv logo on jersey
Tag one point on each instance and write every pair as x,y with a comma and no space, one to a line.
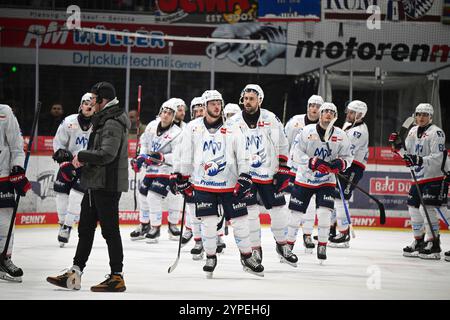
43,187
322,153
82,141
212,145
253,140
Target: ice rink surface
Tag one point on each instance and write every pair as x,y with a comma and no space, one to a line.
372,268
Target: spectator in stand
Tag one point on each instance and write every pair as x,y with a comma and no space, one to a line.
133,116
50,121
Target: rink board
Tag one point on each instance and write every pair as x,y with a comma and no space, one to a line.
388,182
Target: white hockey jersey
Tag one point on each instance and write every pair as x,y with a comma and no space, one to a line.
213,160
307,145
166,143
266,144
293,127
11,142
430,147
70,136
359,142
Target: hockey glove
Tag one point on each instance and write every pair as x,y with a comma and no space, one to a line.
155,158
19,181
395,141
173,178
316,164
67,172
62,155
184,186
281,178
413,160
337,165
243,185
137,162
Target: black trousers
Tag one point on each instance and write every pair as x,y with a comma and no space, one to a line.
103,207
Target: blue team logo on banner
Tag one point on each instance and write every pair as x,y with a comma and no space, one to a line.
289,10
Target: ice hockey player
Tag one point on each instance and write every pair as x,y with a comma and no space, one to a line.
317,161
292,128
423,153
12,181
268,147
71,137
214,157
181,112
358,135
158,145
192,223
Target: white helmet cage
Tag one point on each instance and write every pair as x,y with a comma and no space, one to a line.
315,99
358,107
197,101
232,108
210,95
86,97
252,88
328,106
425,108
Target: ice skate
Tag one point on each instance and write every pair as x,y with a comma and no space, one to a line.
64,235
113,283
431,250
322,253
140,232
9,271
186,237
71,279
257,254
341,240
252,266
211,262
197,251
412,251
447,256
153,235
286,255
220,245
174,232
308,243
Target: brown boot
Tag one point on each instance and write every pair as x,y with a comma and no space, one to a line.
113,283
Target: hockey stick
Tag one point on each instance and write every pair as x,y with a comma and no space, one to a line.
137,142
25,166
174,265
327,137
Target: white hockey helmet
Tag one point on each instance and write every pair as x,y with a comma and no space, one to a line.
253,88
231,108
425,108
315,99
358,107
328,106
197,101
177,102
86,97
169,104
210,95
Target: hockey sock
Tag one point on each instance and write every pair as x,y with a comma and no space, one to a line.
62,201
417,222
434,219
209,234
295,218
154,202
73,207
341,217
241,233
324,222
279,223
144,214
254,225
196,222
5,221
309,217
